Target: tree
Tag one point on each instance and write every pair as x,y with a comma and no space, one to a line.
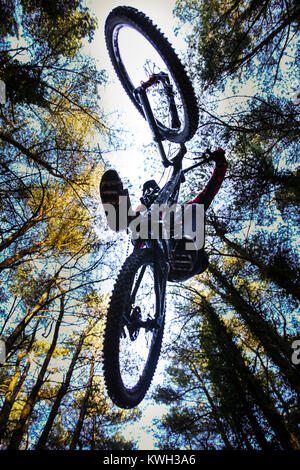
274,261
238,37
223,396
232,375
28,407
63,390
52,259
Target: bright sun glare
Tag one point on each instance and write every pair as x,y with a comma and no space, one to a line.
131,162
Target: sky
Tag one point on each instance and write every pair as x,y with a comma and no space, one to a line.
130,163
113,98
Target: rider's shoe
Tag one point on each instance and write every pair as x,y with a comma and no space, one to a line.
111,188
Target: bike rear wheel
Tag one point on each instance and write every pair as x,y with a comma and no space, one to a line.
138,52
132,338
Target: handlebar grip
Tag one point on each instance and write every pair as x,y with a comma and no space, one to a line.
207,152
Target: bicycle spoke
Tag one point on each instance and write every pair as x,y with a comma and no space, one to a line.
134,347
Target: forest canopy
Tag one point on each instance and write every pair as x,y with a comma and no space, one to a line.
232,380
52,259
235,384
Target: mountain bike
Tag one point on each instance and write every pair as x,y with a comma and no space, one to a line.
162,93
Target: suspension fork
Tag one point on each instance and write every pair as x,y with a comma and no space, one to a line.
141,94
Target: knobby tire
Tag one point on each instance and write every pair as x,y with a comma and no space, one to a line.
121,395
127,16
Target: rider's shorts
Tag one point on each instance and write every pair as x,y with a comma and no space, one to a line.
197,265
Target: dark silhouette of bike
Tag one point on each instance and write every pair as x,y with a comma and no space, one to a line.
157,84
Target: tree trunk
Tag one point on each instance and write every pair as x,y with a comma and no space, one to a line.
10,341
79,424
285,21
17,435
249,381
210,400
275,347
283,278
15,385
10,397
15,259
60,394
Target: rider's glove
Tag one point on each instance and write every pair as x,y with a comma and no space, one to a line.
218,156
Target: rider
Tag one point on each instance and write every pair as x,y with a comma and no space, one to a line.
186,263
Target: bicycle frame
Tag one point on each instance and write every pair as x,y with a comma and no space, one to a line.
168,195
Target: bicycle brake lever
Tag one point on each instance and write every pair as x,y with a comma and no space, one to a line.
202,162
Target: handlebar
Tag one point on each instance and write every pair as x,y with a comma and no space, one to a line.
206,157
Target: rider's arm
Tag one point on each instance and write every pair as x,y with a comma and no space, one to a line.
206,196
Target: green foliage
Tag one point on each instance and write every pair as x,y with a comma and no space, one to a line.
60,26
23,84
231,367
10,25
49,33
228,36
51,258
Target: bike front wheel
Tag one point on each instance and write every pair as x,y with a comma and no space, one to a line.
139,53
134,331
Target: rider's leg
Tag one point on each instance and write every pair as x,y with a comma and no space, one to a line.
209,192
206,197
116,201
